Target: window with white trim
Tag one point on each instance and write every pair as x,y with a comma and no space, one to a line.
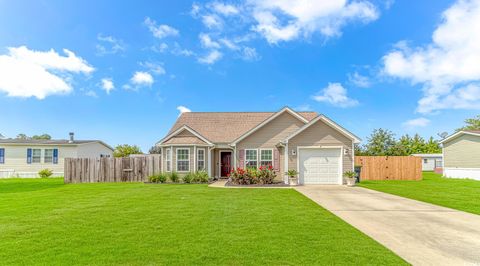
251,158
200,159
36,155
48,156
266,157
168,159
183,160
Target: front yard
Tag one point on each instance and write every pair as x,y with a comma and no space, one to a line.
43,221
460,194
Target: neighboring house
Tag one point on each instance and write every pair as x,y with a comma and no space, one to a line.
318,148
430,162
461,155
24,158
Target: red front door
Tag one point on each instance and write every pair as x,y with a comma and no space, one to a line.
225,163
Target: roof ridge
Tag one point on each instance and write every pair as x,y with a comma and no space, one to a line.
247,112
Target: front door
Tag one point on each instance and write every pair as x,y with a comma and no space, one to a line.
225,163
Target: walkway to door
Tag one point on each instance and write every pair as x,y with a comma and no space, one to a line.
421,233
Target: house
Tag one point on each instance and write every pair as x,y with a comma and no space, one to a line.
314,145
431,162
25,157
461,154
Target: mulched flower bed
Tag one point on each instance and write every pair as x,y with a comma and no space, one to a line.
279,184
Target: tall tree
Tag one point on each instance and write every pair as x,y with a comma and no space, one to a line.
471,124
155,150
42,137
125,150
380,143
22,136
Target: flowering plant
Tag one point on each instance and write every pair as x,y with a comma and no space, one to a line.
262,175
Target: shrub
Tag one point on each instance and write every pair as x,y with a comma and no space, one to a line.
201,177
44,173
349,174
173,176
153,178
162,178
263,175
292,173
188,178
266,175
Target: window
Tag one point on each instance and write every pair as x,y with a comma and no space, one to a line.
168,159
36,155
183,160
266,157
425,160
2,155
201,159
250,158
48,156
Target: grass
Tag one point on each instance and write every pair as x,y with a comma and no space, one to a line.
43,221
460,194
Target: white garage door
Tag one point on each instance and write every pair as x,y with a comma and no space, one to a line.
320,166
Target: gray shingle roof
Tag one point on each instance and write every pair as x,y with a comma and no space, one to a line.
41,141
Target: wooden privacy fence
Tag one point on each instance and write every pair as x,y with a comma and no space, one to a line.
92,170
389,167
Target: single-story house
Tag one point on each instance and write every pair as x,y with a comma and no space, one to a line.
430,161
461,154
314,145
25,157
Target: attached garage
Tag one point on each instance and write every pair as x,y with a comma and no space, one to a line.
320,165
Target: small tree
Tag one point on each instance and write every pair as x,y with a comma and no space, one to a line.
42,137
125,150
471,124
22,136
155,150
380,143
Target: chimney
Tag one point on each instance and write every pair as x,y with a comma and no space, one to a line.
71,137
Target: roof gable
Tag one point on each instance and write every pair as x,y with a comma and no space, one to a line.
194,136
328,122
461,133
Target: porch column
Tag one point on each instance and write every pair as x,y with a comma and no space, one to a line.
209,166
285,167
194,158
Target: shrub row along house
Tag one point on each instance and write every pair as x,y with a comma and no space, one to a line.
26,157
314,145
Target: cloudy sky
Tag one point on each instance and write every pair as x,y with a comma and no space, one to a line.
122,72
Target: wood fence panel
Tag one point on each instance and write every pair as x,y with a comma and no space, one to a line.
93,170
390,167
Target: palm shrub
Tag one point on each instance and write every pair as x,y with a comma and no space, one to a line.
292,173
173,176
349,174
188,178
44,173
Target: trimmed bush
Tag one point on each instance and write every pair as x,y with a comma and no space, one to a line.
153,178
162,178
201,177
45,173
250,176
173,176
188,178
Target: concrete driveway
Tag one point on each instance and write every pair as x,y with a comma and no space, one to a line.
421,233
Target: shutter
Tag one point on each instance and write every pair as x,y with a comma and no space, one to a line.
2,155
29,156
242,158
276,160
55,156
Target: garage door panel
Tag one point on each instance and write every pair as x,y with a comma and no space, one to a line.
320,166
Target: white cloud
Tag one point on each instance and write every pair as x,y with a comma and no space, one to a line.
142,79
27,73
229,44
359,80
207,42
182,109
107,85
250,54
155,68
161,48
211,21
448,68
178,50
160,31
286,20
303,108
224,9
91,93
417,122
212,57
109,45
336,95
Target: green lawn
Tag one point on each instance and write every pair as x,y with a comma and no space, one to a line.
45,222
460,194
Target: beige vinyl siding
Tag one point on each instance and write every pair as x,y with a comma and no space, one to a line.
192,157
93,150
270,135
184,137
16,159
462,152
320,134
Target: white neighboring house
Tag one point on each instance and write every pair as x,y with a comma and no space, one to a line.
25,157
461,155
430,162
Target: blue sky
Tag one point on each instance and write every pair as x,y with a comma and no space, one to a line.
128,67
